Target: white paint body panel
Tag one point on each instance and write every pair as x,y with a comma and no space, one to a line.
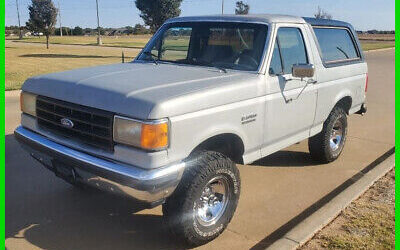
201,103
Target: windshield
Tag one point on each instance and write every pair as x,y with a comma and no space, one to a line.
237,46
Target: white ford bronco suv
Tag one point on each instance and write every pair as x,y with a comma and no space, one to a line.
206,93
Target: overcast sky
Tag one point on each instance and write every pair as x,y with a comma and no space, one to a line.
363,14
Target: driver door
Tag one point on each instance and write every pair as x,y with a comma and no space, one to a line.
291,102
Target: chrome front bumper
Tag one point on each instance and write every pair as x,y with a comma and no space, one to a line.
149,186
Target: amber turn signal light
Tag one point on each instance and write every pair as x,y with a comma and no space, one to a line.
154,136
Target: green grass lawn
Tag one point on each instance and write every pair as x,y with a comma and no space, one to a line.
138,41
368,223
366,45
26,60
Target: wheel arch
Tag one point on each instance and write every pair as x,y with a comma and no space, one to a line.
344,102
229,144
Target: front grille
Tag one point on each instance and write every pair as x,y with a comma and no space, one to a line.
90,126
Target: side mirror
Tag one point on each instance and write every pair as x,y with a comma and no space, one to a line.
303,70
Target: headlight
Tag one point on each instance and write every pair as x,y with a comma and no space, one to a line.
28,103
146,135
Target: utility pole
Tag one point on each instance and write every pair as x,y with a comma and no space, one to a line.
59,14
19,22
222,7
98,24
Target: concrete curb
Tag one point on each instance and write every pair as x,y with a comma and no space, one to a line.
377,50
11,93
306,229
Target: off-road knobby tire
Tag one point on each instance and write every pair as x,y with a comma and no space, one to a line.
178,208
318,145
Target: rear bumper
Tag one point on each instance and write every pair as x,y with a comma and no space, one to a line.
149,186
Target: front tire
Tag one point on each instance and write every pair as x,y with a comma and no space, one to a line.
206,199
329,143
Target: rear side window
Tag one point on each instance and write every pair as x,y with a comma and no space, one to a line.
336,44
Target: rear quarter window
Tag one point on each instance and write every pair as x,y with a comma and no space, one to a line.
336,44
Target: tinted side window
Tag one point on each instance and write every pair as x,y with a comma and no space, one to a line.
336,44
275,67
292,48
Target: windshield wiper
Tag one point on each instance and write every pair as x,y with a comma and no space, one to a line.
220,68
214,65
207,64
152,56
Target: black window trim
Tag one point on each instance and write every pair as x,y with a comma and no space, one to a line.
341,62
278,43
280,52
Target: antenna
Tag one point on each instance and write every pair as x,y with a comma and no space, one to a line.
222,7
98,24
19,21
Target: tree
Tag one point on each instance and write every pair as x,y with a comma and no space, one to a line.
139,30
129,30
42,17
156,12
65,31
77,31
242,8
102,31
321,14
87,31
12,30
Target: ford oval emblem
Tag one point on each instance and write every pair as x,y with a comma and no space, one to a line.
67,123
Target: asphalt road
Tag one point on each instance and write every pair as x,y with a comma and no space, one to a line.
44,212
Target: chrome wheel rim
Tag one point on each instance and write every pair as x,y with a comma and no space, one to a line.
213,201
336,137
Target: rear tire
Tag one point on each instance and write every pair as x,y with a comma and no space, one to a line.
329,143
204,202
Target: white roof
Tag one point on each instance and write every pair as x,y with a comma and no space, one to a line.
251,18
